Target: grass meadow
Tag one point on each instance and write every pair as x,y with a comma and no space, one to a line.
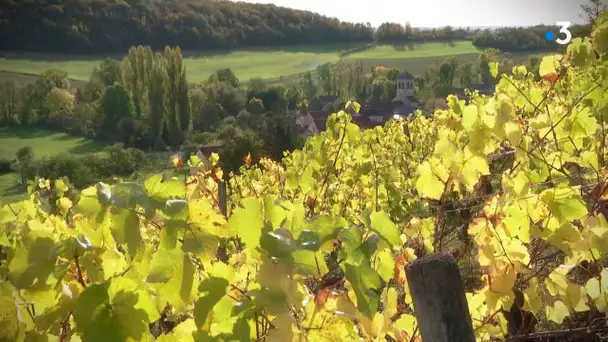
44,143
281,65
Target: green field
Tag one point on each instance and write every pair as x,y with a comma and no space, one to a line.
419,50
284,65
45,143
267,64
277,65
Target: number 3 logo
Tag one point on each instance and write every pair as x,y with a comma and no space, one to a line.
564,25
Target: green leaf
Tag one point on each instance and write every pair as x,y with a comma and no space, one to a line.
183,332
385,264
125,230
307,264
215,289
274,301
61,187
199,243
581,52
163,190
549,65
493,69
165,265
176,208
278,244
180,290
353,132
273,212
382,224
33,262
352,239
367,286
9,319
248,222
324,228
565,203
115,311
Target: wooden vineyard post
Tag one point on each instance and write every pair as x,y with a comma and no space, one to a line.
440,303
222,198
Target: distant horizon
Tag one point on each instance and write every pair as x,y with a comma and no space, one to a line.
441,13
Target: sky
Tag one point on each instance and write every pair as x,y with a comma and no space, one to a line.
437,13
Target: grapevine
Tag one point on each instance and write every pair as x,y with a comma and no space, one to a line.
313,247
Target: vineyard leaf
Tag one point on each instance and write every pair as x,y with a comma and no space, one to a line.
181,290
353,132
114,311
165,265
428,184
214,289
351,241
9,320
125,230
309,263
278,244
320,230
273,213
576,298
200,243
163,190
385,264
557,312
581,52
549,64
381,223
183,332
169,233
33,262
248,222
285,331
366,283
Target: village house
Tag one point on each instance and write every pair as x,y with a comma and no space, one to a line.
372,113
377,112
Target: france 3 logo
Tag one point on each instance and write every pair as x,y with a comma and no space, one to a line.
563,31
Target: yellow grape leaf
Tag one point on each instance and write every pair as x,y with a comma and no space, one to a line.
470,118
557,312
513,132
557,283
549,65
575,298
473,168
532,301
379,325
502,276
517,223
64,204
431,183
405,327
390,306
385,264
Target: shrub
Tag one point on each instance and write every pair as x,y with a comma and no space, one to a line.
6,166
85,170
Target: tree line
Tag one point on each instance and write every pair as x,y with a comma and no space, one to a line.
96,26
99,26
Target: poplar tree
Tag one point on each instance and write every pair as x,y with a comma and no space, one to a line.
136,67
157,93
178,102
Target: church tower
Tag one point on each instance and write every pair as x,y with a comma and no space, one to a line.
405,88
